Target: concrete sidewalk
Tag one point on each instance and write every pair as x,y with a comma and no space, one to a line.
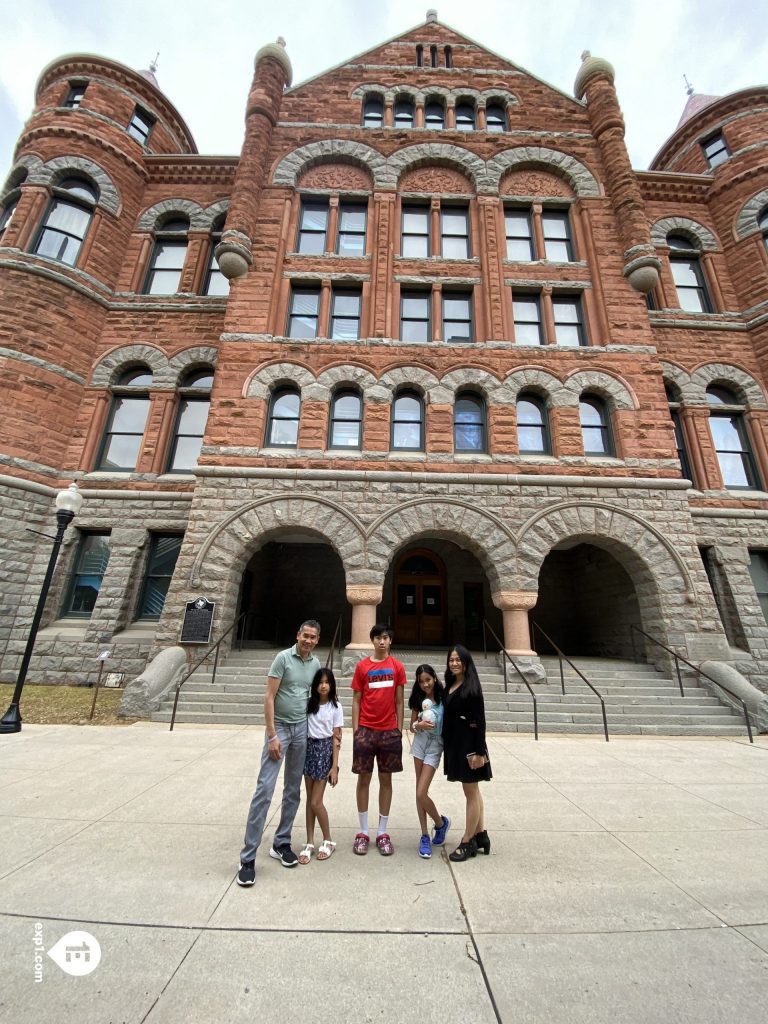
627,883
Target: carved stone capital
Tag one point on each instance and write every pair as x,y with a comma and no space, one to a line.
507,600
364,594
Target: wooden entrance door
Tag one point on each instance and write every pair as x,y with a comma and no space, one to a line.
419,599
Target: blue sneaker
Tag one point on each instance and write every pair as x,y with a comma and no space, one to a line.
425,848
439,837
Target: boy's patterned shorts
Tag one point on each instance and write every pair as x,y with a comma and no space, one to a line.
385,746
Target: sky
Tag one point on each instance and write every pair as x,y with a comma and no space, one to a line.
206,50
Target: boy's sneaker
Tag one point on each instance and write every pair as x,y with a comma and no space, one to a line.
360,845
425,847
285,855
439,837
247,873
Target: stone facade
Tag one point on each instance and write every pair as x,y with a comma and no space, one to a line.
433,536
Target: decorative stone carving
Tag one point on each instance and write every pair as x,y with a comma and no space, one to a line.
336,176
435,179
534,183
508,599
364,595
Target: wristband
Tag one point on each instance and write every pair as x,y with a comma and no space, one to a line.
271,738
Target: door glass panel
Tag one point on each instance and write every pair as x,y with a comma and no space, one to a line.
431,603
406,599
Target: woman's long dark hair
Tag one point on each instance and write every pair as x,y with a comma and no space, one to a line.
471,686
417,694
314,697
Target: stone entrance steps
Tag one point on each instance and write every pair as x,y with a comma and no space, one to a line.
639,700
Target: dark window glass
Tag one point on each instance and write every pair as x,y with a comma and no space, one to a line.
716,150
74,96
283,424
763,225
191,421
595,431
519,233
454,233
90,565
125,427
419,56
215,282
313,226
457,317
569,326
66,222
469,424
557,236
7,215
495,118
682,453
140,125
408,423
404,113
433,56
163,551
373,112
527,316
434,114
345,314
415,233
415,323
758,570
168,256
346,420
685,265
303,315
465,117
448,57
352,221
532,428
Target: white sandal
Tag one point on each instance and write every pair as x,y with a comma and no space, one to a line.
306,854
326,849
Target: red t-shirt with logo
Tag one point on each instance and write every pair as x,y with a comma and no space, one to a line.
376,681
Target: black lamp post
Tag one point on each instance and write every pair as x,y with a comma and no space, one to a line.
68,504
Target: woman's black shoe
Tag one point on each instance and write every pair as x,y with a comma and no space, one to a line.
464,851
483,842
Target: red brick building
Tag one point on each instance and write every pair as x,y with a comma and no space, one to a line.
460,361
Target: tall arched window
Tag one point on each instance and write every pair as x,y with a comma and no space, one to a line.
66,220
283,421
595,428
532,425
465,116
434,114
373,111
121,444
194,404
419,56
408,422
731,439
346,424
469,426
404,112
495,118
215,282
674,400
168,255
685,263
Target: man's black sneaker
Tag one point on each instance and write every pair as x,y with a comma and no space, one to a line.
285,855
247,873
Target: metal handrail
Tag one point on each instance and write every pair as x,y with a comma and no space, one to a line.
336,637
504,661
214,649
678,658
564,657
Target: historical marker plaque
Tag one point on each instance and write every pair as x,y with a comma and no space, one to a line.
198,621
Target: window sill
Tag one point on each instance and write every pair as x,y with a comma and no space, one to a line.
66,629
139,630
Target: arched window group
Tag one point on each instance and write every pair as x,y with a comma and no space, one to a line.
439,111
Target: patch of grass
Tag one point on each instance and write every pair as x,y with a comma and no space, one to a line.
65,705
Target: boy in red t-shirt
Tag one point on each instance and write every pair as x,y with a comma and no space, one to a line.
377,725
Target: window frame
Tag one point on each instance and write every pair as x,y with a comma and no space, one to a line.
404,117
501,120
122,391
423,211
65,196
189,393
297,290
74,97
141,125
519,296
561,300
333,419
542,426
690,255
451,295
550,215
346,292
369,120
734,412
283,391
446,210
604,427
213,271
394,422
434,103
480,424
520,212
155,540
67,611
312,203
411,294
466,121
715,149
347,206
167,239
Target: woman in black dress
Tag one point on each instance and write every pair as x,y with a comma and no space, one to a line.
466,755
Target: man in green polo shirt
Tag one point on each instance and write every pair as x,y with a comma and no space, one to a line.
285,715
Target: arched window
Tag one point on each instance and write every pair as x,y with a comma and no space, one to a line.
434,114
66,220
448,57
283,421
373,111
532,426
168,255
433,56
121,444
465,116
675,404
404,113
595,429
731,439
495,118
419,56
194,404
685,263
469,429
763,225
7,215
408,422
215,282
345,428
